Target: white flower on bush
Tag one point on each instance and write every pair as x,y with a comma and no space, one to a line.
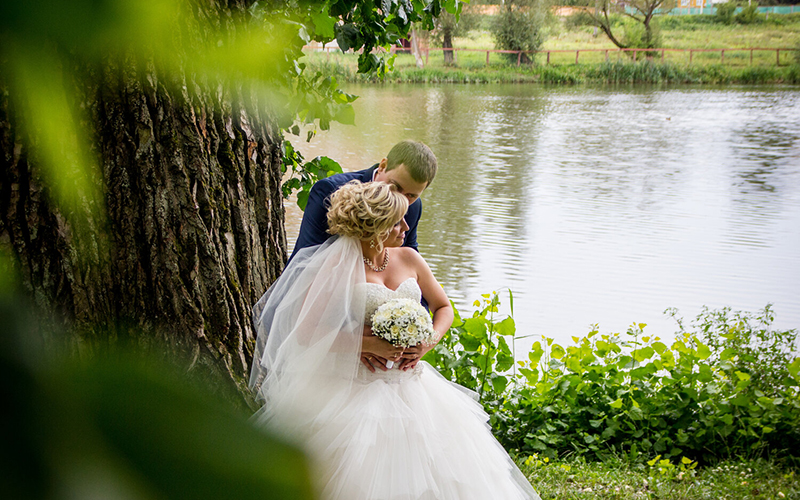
404,323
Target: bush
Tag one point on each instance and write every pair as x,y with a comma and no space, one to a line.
636,36
748,14
518,28
725,12
727,387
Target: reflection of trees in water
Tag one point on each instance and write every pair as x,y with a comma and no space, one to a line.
447,226
766,153
483,145
615,147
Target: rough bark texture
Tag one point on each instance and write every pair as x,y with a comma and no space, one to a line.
193,230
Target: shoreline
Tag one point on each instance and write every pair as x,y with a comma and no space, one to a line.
617,72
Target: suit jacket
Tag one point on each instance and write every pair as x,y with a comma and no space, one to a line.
313,229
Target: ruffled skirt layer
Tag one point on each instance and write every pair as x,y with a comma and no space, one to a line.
405,436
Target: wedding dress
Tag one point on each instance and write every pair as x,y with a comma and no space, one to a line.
393,435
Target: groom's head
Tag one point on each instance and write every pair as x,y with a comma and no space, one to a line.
410,166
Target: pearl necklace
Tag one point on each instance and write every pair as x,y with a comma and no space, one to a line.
385,262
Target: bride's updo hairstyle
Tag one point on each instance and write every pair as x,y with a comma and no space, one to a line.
366,211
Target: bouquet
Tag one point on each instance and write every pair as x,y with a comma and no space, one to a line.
404,323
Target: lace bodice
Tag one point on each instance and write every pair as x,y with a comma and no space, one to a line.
378,294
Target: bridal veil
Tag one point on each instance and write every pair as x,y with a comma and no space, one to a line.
309,326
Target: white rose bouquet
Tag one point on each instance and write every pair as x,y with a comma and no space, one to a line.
404,323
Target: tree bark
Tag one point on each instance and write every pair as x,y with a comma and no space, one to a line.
416,50
447,43
193,231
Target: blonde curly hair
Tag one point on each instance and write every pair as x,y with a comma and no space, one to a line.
366,211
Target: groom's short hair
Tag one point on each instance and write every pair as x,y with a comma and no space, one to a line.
417,157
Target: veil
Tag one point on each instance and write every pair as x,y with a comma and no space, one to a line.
309,326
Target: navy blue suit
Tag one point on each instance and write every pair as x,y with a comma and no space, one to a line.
314,228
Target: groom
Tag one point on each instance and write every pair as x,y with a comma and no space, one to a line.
410,166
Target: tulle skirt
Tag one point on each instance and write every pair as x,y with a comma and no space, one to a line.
405,436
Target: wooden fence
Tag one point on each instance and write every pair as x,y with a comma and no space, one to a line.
634,53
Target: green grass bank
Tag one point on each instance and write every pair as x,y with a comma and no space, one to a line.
604,72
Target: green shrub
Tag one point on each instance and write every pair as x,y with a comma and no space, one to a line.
726,387
725,12
637,36
578,20
518,28
748,14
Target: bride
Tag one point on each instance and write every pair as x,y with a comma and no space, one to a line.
372,433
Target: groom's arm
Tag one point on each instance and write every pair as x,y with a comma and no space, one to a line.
314,227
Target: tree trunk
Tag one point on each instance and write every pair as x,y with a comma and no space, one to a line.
447,43
193,231
415,48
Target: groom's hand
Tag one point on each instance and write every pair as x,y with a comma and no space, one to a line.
412,355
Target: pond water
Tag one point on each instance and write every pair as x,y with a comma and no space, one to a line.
597,205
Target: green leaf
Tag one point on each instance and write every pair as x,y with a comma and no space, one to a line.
506,327
643,354
659,347
499,383
703,352
616,404
302,199
794,367
476,326
470,342
556,351
346,115
324,25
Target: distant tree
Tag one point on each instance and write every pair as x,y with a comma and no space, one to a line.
447,26
643,33
519,26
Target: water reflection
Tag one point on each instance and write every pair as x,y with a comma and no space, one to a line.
598,205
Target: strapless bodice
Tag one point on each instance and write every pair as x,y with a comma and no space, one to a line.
378,294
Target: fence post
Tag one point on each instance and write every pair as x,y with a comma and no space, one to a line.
455,56
519,58
548,57
722,58
778,57
662,55
487,57
691,53
606,55
577,53
751,57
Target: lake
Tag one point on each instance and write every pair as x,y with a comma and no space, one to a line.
596,205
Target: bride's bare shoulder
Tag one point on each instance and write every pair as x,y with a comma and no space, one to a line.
409,256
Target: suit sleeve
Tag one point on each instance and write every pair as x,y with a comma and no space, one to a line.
412,219
314,227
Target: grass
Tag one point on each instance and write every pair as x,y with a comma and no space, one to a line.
678,32
578,479
343,67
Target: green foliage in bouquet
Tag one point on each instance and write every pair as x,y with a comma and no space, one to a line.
726,386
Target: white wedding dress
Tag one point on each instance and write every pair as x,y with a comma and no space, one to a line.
394,435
